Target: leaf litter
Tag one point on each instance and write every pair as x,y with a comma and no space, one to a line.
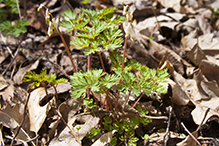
179,35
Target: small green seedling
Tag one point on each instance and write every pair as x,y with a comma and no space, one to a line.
93,133
41,80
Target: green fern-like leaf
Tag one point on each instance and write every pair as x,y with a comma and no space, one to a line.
80,42
81,81
109,80
15,30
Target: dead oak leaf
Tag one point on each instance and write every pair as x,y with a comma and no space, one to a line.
212,90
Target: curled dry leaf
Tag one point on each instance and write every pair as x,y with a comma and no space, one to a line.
37,113
203,23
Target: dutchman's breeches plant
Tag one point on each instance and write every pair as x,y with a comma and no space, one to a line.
98,31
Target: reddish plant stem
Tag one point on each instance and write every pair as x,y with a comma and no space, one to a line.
138,100
67,50
123,62
127,99
101,60
89,63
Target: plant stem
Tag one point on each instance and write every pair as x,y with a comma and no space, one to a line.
138,100
127,99
89,63
67,49
123,62
101,60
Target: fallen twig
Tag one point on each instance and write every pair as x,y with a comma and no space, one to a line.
166,136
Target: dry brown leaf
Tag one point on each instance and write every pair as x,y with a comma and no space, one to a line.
18,77
203,23
189,141
37,113
190,40
3,83
212,90
119,2
196,55
66,63
68,109
210,70
8,94
11,117
65,138
139,54
158,138
206,42
178,95
36,19
173,58
185,90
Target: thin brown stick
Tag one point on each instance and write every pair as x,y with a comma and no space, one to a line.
15,55
22,122
166,136
190,134
68,127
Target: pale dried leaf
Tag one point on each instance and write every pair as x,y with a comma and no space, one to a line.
202,19
196,55
178,95
3,83
37,113
176,5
